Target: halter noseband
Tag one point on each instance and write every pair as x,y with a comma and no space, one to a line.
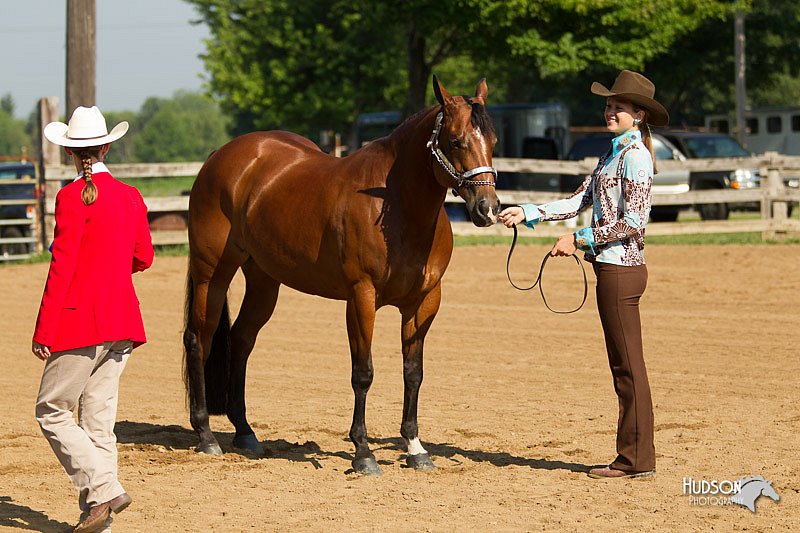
461,178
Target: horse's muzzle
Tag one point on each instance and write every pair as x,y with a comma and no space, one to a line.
484,212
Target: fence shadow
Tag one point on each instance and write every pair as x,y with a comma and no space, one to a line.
21,517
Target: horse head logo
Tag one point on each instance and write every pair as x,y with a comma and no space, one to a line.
751,488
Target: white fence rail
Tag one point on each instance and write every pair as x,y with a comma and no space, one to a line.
773,195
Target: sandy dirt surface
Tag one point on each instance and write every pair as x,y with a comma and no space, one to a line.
516,405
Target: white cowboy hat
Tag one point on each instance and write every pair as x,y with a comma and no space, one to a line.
87,127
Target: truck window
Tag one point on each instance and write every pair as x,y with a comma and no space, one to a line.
661,151
795,122
751,125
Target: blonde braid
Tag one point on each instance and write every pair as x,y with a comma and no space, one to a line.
89,192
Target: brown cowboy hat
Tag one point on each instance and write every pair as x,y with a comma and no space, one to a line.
637,89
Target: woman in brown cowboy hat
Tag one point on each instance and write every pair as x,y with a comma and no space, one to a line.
618,191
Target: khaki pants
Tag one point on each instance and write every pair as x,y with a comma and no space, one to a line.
88,377
618,291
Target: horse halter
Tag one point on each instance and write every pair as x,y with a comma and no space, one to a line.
461,178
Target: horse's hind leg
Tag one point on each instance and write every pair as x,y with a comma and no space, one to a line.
417,320
208,299
360,326
261,294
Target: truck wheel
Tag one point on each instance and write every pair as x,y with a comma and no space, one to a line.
7,249
663,215
713,211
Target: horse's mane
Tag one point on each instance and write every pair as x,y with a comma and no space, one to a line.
479,118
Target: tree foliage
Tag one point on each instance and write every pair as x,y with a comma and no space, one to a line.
697,75
186,127
307,65
14,139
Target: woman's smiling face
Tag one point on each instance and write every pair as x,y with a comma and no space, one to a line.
619,115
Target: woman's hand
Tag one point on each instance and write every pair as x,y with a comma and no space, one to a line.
512,215
40,350
565,245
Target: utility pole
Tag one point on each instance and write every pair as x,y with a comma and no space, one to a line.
738,50
81,54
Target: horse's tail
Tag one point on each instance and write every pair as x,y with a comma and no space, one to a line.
217,366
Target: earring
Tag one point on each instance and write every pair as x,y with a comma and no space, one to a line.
636,121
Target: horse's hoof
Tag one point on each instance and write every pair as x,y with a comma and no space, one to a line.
210,449
367,466
420,461
248,442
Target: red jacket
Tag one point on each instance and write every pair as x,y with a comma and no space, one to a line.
89,297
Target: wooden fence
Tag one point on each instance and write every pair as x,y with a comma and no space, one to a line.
772,195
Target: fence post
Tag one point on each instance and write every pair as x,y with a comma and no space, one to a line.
772,184
51,155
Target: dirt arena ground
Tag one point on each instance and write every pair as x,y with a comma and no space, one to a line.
516,405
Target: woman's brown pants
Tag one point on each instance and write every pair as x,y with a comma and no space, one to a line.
618,291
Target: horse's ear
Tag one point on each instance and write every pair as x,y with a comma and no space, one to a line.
482,90
441,93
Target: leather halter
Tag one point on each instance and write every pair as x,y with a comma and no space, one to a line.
461,178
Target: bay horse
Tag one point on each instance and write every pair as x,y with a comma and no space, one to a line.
369,228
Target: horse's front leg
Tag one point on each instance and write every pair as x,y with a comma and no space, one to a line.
360,326
417,321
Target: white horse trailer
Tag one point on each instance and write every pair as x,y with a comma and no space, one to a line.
775,129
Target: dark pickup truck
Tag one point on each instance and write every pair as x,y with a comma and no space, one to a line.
18,204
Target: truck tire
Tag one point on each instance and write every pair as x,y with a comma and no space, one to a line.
7,249
663,214
713,211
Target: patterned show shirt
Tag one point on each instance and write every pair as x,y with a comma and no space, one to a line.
619,192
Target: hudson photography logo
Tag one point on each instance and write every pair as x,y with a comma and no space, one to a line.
743,492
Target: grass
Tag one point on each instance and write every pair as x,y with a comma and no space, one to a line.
750,238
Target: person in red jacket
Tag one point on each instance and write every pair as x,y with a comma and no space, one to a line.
89,320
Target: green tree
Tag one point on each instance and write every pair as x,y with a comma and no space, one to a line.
7,104
697,77
307,65
187,127
13,137
123,149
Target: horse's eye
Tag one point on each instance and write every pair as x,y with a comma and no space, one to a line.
455,143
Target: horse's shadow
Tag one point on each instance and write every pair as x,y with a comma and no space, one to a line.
21,517
178,437
479,456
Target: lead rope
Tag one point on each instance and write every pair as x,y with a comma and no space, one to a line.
539,278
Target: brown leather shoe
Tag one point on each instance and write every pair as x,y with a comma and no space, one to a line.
94,520
606,472
99,513
120,503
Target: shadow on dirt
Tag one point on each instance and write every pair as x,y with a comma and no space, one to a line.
21,517
181,438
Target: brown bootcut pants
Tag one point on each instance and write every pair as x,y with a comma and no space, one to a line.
618,291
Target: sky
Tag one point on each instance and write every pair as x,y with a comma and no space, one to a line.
144,48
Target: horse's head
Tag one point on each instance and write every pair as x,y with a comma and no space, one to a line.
461,145
769,491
